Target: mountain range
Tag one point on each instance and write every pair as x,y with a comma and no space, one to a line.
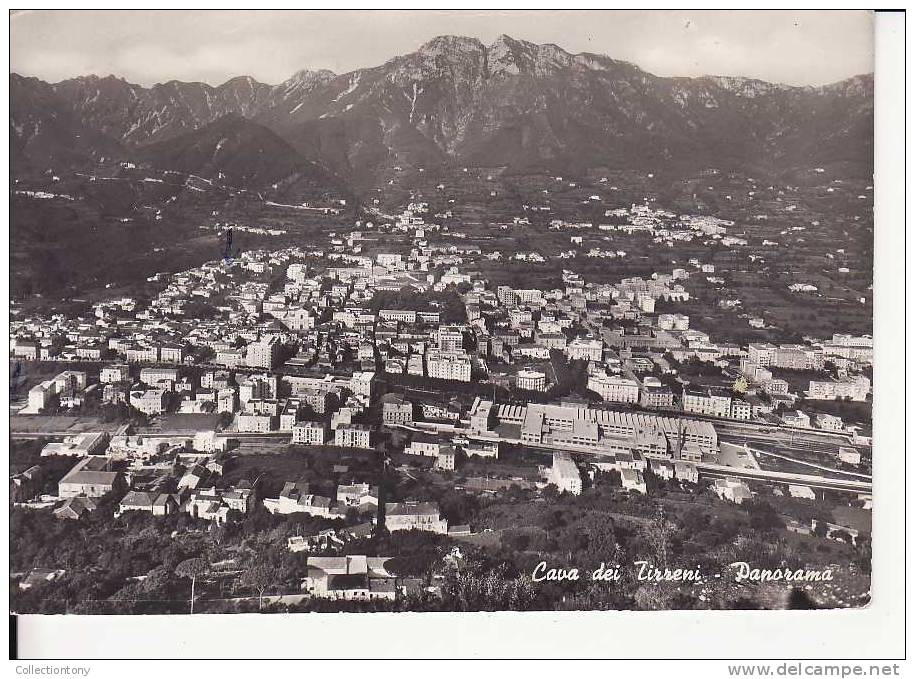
455,100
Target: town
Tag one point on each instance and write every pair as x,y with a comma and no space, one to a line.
400,390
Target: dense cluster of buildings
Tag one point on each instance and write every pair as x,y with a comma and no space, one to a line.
322,348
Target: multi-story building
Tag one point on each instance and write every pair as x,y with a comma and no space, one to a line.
148,401
310,433
401,315
414,516
654,394
90,477
581,349
446,458
854,388
264,353
395,409
353,436
448,366
796,418
706,402
564,474
142,354
172,353
114,373
531,380
829,422
451,338
226,400
156,376
741,410
797,357
289,414
614,388
253,422
540,422
632,479
673,322
231,358
760,354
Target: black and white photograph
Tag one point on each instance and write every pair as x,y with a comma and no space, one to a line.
466,311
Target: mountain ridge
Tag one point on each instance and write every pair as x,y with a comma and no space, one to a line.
510,103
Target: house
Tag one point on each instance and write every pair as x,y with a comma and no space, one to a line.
195,476
157,504
296,498
564,474
90,478
731,489
78,445
796,418
849,456
424,445
214,504
445,459
414,516
351,577
395,409
633,480
75,507
359,495
686,471
26,484
663,469
829,422
805,492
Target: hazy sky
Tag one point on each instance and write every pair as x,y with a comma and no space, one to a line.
798,48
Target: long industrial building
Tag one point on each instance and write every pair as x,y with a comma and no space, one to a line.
572,425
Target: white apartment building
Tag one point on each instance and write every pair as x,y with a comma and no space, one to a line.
564,474
264,353
155,376
114,373
581,349
706,403
414,516
673,322
253,422
353,436
451,338
531,380
149,401
855,388
310,433
741,410
614,388
448,366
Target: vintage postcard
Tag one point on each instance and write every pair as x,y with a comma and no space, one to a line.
348,311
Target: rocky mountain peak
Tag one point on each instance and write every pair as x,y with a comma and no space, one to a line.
447,45
508,56
309,78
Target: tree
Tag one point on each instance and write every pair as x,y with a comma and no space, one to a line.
191,568
258,577
658,535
